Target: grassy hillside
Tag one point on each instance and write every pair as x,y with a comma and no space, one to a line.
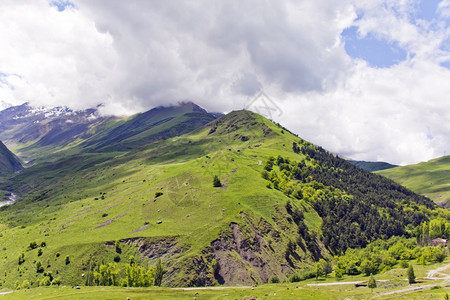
275,213
431,178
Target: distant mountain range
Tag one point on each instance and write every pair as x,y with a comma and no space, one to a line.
372,166
47,133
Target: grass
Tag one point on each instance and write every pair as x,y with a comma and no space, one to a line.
300,290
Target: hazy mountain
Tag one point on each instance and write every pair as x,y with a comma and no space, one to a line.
372,166
49,133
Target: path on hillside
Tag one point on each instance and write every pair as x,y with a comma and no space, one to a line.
343,282
433,274
5,293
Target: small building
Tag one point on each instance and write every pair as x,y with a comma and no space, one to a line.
439,241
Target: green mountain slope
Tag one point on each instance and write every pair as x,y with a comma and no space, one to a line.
281,205
430,178
8,161
157,124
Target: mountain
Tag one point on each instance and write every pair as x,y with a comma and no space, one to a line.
236,201
9,163
431,178
372,166
157,124
39,132
46,134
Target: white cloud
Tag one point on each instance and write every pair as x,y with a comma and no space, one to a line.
134,55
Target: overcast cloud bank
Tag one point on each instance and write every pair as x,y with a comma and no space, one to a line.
135,55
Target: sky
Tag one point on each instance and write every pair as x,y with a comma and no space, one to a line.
367,79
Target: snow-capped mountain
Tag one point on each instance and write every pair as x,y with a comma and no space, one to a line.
25,127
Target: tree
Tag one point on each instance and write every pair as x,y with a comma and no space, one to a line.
319,268
216,181
39,267
117,247
339,273
372,282
327,268
410,274
159,272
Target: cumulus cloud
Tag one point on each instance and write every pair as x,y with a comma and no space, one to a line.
134,55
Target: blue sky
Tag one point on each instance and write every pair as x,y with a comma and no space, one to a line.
380,52
367,79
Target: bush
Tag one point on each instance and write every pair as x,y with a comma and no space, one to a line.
25,284
67,260
117,247
158,194
274,279
32,245
39,252
216,181
117,258
21,258
56,281
303,275
404,264
39,267
45,281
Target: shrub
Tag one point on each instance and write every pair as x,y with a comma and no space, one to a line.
404,264
56,281
158,194
32,245
117,247
39,267
25,285
216,181
303,275
21,258
67,260
117,258
274,279
39,252
45,281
